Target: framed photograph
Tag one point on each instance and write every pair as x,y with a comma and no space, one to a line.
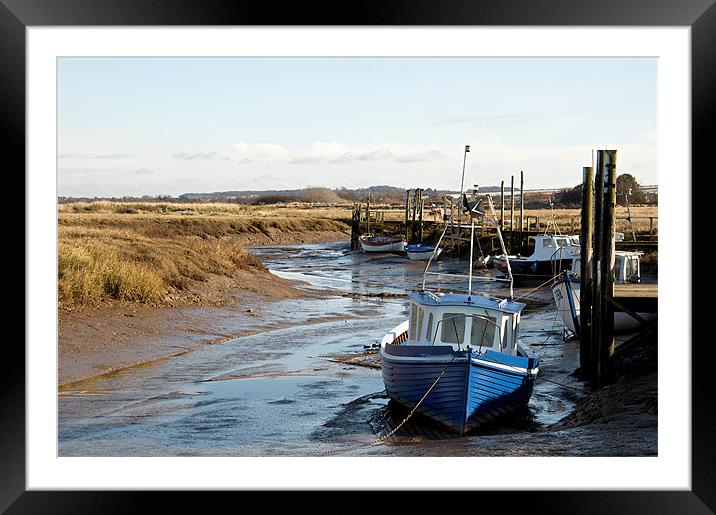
184,168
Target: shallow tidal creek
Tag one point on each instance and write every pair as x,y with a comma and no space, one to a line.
278,393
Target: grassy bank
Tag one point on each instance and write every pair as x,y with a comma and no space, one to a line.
147,253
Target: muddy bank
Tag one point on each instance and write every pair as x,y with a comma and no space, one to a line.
97,341
273,236
116,335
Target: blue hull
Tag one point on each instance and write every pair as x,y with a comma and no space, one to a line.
474,388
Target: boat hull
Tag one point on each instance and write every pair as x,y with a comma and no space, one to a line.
382,245
473,388
566,297
527,268
422,254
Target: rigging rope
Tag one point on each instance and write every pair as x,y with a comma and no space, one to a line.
538,287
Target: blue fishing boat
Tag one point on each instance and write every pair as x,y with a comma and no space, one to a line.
457,358
420,251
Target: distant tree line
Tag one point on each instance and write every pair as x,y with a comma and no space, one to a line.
628,189
566,197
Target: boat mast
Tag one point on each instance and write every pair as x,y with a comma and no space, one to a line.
472,239
462,186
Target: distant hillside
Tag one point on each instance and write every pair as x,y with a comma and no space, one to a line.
378,194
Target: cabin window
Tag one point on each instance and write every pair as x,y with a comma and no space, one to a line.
507,334
632,269
546,243
453,328
421,314
413,321
531,247
618,270
483,331
429,332
561,241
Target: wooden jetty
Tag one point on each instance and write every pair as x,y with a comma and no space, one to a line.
641,298
422,219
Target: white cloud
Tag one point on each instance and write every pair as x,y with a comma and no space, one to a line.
338,153
332,149
415,157
244,150
198,155
376,155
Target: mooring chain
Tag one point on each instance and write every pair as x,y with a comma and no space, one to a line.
381,439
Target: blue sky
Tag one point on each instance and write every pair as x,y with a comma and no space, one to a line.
150,126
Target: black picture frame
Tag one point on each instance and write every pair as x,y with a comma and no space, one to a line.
699,15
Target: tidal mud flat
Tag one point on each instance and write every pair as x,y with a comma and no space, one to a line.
286,387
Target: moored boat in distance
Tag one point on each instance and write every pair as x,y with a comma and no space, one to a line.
382,243
552,254
419,251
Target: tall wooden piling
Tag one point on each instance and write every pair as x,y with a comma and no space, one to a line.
522,201
419,192
512,212
367,214
512,204
355,227
596,319
602,330
606,345
502,204
522,209
585,289
407,211
415,212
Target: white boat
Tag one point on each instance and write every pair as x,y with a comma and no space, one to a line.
382,243
552,254
420,252
566,290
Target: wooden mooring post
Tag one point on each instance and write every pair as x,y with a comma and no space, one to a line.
415,212
367,215
585,289
606,346
502,204
355,227
419,194
512,212
522,208
602,312
407,211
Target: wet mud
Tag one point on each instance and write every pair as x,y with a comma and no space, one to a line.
310,383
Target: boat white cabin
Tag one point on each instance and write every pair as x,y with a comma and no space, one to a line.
459,320
551,247
551,254
627,268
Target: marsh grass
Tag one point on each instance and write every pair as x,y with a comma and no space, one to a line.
140,253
